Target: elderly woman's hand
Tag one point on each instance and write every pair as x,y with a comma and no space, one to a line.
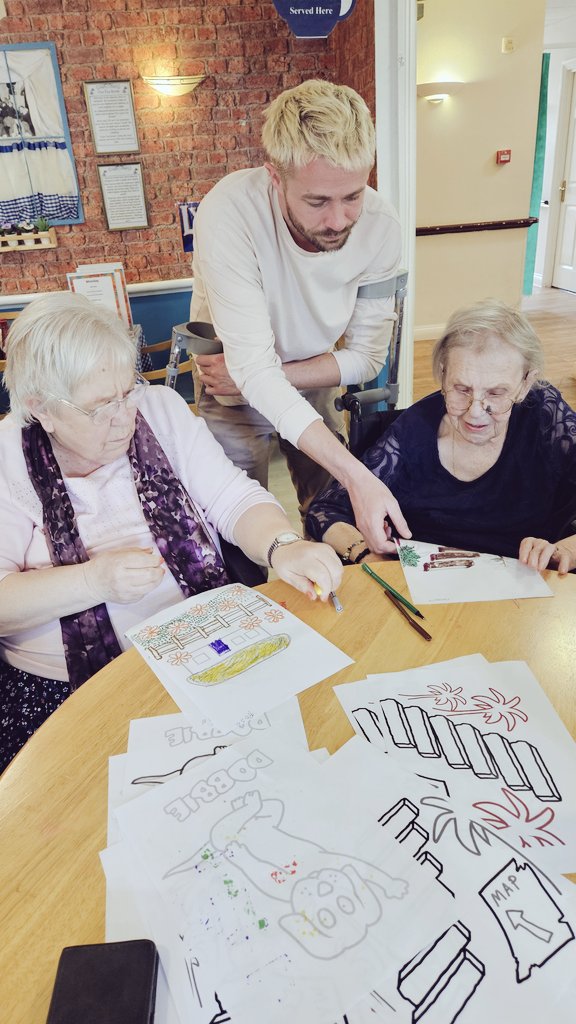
124,575
539,553
304,563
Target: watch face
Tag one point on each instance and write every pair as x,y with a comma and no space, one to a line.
283,538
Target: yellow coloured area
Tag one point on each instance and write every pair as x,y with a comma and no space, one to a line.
241,661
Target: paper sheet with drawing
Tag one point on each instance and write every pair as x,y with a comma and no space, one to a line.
490,732
128,907
511,953
232,651
272,871
442,575
501,960
169,745
133,908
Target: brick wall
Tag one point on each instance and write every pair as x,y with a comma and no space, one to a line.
187,143
352,43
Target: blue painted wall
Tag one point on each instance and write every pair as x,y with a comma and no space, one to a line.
158,314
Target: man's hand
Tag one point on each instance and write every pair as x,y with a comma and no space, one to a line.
214,376
373,503
371,500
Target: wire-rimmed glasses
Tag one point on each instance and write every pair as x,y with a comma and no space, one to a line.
106,412
495,402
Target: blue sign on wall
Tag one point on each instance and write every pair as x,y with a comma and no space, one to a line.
313,20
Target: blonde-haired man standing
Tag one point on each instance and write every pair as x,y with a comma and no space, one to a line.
289,258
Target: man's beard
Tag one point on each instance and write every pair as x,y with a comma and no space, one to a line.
321,239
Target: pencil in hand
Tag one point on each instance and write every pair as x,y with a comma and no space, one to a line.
333,597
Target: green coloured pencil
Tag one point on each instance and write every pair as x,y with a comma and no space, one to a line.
391,590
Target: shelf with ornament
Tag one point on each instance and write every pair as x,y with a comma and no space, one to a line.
27,235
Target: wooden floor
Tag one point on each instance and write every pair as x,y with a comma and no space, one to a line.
553,315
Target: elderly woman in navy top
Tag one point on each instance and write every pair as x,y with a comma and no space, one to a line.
487,463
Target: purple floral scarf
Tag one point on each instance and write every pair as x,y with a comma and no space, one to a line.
88,636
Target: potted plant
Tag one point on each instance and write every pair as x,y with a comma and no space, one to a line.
9,235
43,227
27,230
27,234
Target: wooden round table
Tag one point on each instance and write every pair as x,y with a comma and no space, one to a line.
53,797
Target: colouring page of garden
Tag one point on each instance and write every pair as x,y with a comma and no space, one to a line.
510,953
232,652
269,868
491,733
165,746
443,575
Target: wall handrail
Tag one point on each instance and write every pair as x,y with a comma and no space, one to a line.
481,225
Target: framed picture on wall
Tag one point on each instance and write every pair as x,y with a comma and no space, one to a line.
112,119
123,196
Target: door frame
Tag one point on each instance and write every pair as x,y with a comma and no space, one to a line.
395,82
568,82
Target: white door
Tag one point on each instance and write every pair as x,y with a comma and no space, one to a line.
564,275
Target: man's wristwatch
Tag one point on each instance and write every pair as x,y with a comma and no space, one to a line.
283,538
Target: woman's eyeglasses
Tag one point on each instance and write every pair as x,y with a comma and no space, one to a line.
458,400
106,412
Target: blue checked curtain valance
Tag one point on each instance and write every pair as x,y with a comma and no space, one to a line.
37,175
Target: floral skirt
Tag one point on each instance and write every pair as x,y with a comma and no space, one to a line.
25,702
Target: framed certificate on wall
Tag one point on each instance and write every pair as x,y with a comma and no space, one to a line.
112,119
123,196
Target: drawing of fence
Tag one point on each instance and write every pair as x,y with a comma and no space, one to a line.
190,628
461,745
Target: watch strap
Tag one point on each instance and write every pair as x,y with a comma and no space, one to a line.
278,542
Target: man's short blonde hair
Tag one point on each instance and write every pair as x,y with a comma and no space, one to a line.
319,119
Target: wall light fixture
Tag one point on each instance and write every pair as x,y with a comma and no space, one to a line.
437,92
174,85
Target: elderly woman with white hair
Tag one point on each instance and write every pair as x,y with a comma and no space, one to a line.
488,463
112,497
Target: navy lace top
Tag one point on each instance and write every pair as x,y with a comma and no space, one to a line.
529,491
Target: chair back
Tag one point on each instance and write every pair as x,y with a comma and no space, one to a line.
365,427
366,422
